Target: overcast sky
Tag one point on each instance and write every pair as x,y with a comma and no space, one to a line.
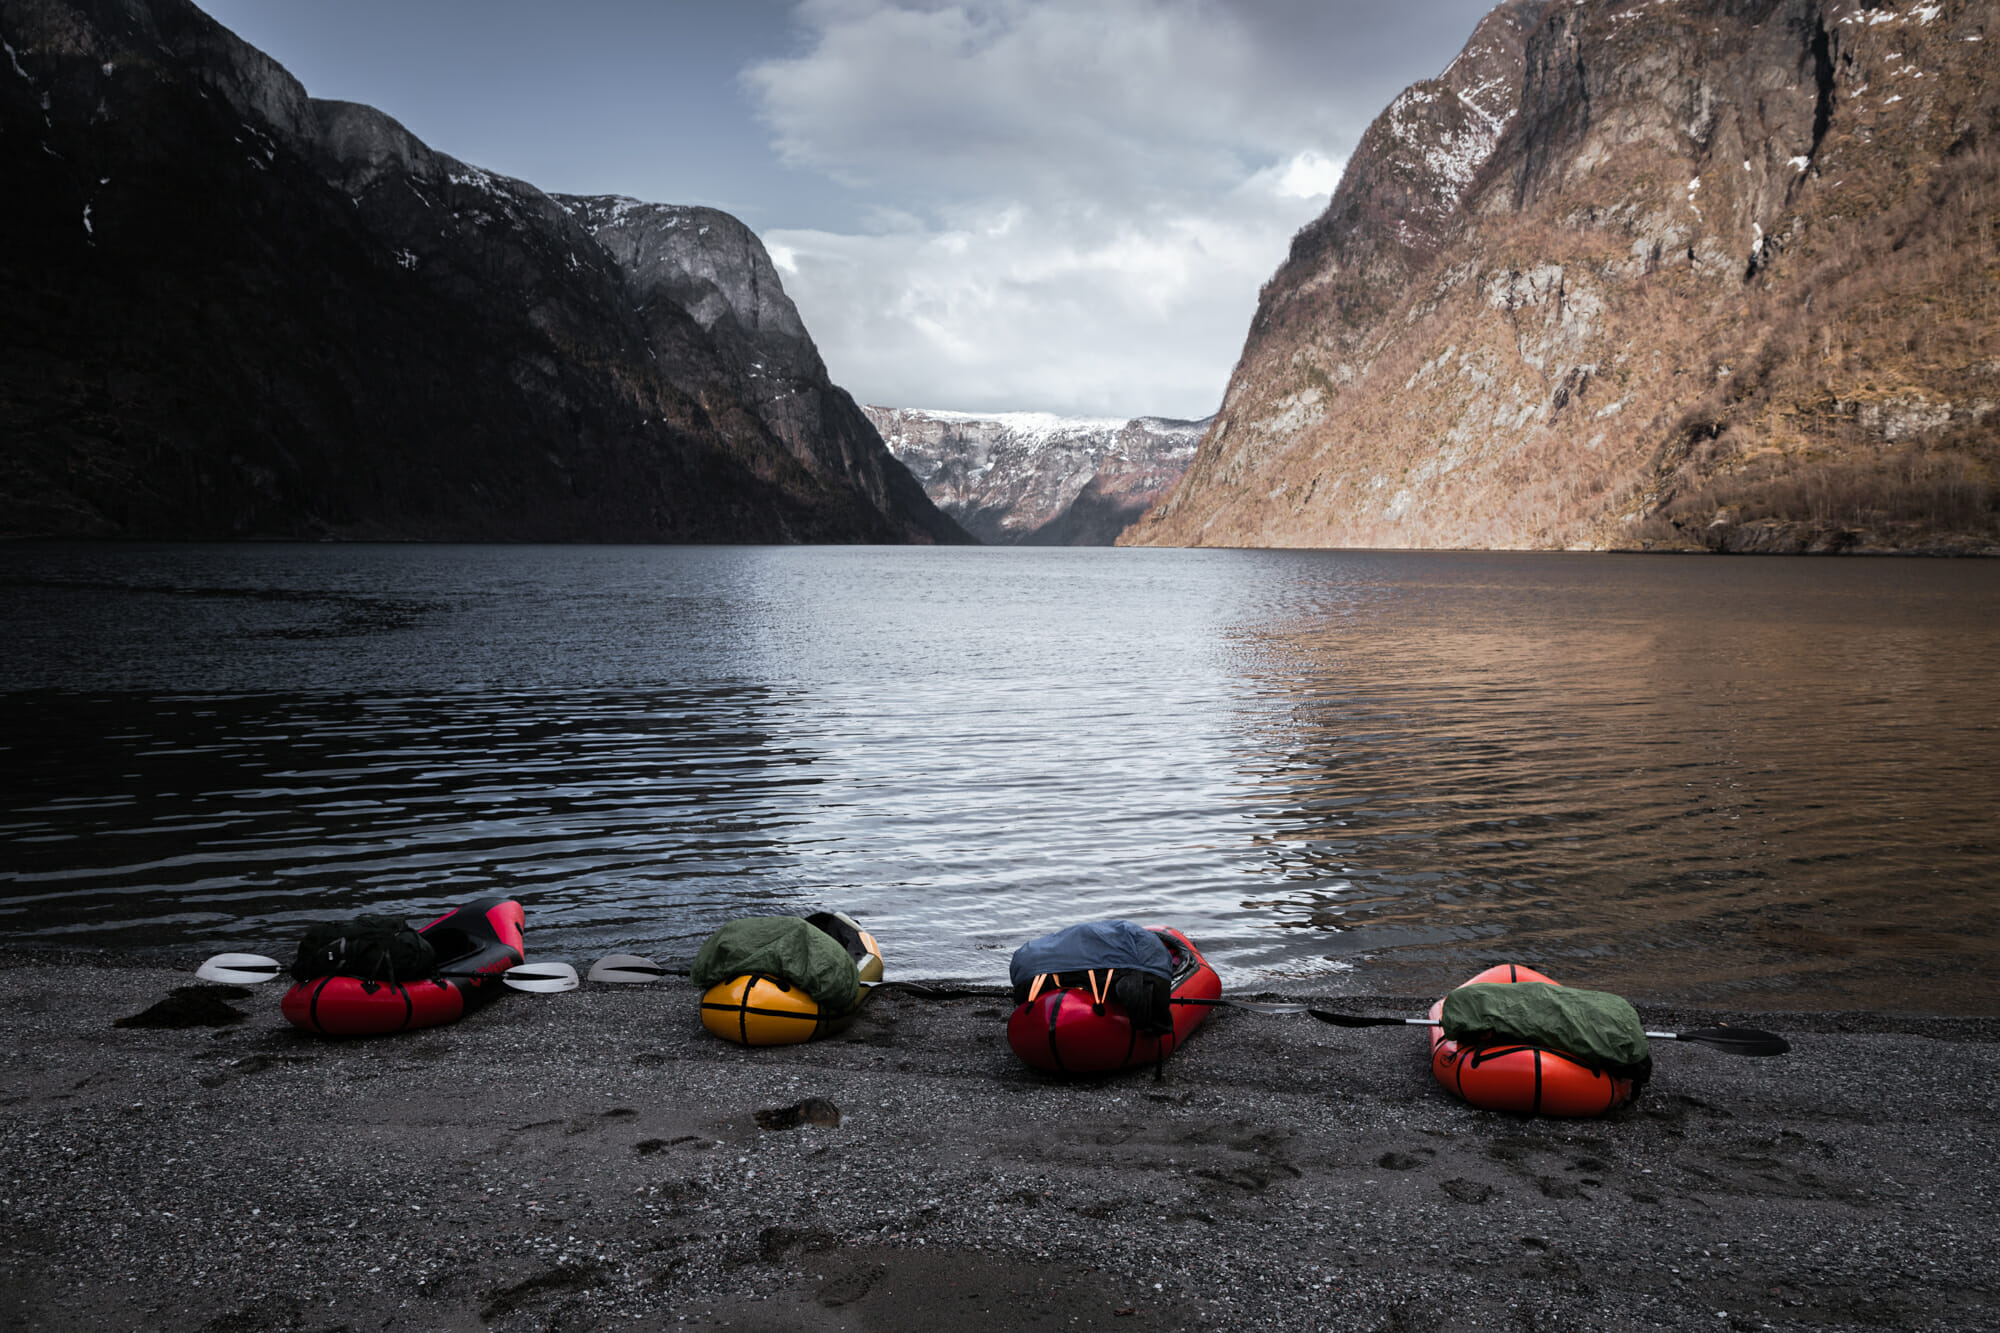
988,205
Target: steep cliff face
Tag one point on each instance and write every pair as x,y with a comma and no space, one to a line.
1034,479
699,264
232,310
1703,273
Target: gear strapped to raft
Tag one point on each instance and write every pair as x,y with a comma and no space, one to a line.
1107,996
1597,1030
791,950
376,950
367,978
1114,961
769,981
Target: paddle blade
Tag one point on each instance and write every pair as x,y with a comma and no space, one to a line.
1360,1021
625,969
1733,1041
239,969
541,978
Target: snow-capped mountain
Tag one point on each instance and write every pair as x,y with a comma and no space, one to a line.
1037,479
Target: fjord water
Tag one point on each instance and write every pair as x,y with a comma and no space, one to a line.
1708,780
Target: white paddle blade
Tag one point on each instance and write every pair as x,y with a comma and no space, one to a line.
626,969
239,969
541,978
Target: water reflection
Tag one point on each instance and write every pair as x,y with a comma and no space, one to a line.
1643,777
966,747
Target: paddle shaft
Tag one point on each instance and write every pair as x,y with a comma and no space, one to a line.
1353,1020
1733,1041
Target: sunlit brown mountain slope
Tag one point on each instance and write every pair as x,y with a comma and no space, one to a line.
1644,273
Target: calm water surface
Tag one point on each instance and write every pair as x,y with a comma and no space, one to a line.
1706,780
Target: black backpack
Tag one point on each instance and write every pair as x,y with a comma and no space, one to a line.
1147,999
373,948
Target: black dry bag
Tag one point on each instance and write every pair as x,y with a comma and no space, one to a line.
373,948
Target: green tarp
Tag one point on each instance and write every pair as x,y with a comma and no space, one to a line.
789,948
1593,1026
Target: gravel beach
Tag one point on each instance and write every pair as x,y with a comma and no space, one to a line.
594,1160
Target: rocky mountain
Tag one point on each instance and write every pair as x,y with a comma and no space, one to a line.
1672,274
1034,479
231,310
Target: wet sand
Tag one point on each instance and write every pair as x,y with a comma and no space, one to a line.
595,1161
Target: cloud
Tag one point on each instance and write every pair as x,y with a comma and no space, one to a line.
1047,97
1072,204
1067,307
1307,175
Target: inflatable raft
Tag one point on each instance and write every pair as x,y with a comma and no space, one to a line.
1070,1029
475,944
757,1009
1527,1079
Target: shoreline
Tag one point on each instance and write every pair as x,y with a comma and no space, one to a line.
1969,549
594,1160
1825,1010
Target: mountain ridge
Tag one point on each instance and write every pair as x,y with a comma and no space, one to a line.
233,310
1724,281
1038,478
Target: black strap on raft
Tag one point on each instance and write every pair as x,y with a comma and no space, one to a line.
744,1008
1145,997
1484,1046
367,988
1481,1054
1163,1043
1055,1013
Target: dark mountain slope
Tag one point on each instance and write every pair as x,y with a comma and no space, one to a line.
230,310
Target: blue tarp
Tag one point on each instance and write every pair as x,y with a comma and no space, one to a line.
1095,944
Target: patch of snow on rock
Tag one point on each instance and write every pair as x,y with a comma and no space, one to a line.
1034,429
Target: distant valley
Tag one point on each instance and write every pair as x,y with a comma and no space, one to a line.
1036,479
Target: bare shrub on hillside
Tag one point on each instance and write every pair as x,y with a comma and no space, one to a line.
1947,488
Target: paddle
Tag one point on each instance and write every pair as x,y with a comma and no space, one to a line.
240,969
620,969
1733,1041
541,978
248,969
1259,1007
633,969
627,969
